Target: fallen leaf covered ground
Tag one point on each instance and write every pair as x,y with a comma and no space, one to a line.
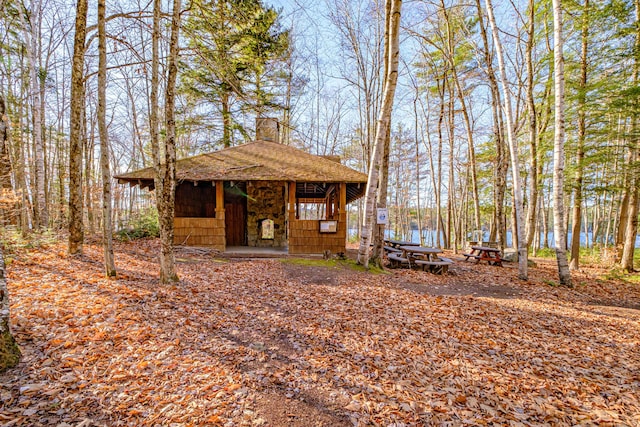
267,342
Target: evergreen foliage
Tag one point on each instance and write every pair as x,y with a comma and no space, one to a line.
235,50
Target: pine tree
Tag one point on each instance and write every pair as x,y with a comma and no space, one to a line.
232,45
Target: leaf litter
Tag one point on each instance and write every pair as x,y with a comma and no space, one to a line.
261,342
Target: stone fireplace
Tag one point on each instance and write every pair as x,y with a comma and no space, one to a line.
266,200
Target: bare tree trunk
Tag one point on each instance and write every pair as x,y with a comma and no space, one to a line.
378,234
418,189
533,129
467,121
620,224
166,170
8,199
76,228
623,218
498,231
89,145
62,172
5,160
631,229
585,222
381,130
433,228
559,232
439,225
107,227
137,142
634,199
20,178
30,32
545,220
582,132
514,224
9,351
513,149
154,121
451,187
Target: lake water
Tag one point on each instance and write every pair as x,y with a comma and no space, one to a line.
430,237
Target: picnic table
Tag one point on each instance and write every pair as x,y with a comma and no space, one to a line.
397,243
485,253
419,256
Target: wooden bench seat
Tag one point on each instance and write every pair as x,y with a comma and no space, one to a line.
441,267
391,249
396,259
467,256
449,260
424,262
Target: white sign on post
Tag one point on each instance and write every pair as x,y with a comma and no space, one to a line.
267,229
383,216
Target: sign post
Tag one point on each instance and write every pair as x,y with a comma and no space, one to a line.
383,216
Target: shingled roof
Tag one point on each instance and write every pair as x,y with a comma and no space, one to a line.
256,161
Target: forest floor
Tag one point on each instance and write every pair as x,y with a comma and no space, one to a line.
272,342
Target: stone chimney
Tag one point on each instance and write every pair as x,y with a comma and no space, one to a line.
267,129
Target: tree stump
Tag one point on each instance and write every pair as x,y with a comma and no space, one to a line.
9,351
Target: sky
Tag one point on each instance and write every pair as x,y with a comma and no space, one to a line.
317,35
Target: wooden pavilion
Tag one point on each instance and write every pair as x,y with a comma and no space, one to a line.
261,194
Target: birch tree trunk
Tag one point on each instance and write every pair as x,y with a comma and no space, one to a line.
30,33
107,228
559,231
153,96
9,351
384,121
383,179
76,227
533,129
381,198
513,149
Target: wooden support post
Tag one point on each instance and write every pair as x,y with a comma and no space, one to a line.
342,217
220,214
219,199
292,201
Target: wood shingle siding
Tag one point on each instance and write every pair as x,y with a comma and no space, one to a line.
222,198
